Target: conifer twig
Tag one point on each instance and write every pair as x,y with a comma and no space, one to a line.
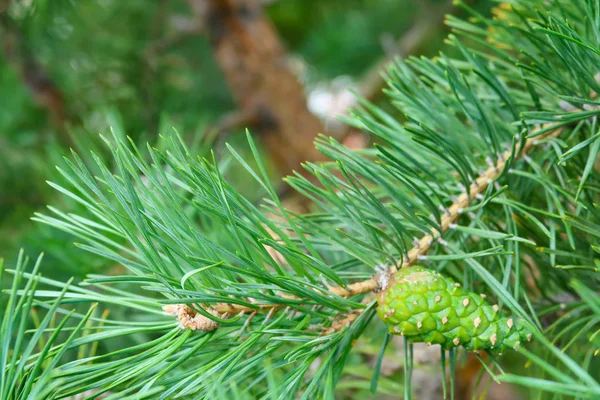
423,245
450,217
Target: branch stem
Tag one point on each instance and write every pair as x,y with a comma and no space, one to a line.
426,242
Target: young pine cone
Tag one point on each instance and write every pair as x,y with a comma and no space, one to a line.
425,306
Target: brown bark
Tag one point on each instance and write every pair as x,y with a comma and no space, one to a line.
253,60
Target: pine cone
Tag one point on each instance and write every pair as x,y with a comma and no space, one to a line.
425,306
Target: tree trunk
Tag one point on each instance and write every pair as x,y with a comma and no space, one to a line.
253,60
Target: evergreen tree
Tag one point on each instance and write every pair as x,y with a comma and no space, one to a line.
491,178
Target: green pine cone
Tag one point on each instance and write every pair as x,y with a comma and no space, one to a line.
426,306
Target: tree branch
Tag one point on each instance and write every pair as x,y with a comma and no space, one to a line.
173,39
451,216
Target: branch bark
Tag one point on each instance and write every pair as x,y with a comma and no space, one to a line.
253,60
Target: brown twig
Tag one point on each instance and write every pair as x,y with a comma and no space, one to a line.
347,319
408,44
165,43
4,5
450,217
190,319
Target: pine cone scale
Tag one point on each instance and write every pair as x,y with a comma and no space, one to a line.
425,306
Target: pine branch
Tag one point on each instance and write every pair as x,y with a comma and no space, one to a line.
422,246
450,218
